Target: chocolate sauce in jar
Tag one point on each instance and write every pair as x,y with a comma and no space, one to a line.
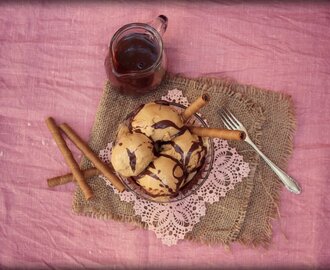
135,52
135,65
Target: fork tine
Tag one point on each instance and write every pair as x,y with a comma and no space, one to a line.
226,121
228,127
234,119
225,124
228,117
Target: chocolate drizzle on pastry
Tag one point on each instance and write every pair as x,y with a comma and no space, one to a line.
192,149
165,124
177,164
131,115
132,159
156,177
186,157
155,174
181,131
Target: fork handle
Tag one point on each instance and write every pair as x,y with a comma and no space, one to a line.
289,183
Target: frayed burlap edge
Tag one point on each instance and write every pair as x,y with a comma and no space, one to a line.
203,85
226,85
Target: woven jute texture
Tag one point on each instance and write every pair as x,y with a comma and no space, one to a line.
246,212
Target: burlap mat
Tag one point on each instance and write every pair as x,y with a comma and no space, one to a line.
245,213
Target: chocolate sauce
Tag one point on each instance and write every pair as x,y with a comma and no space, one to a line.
181,131
193,147
164,124
201,158
172,158
149,173
131,115
177,149
158,147
135,52
135,112
178,164
132,159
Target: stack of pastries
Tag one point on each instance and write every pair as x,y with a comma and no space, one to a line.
154,148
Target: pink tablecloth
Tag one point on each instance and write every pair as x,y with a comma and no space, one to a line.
51,63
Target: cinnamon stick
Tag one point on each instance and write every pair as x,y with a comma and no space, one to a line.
195,106
225,134
69,159
67,178
87,151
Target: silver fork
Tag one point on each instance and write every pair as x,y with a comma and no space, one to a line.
231,122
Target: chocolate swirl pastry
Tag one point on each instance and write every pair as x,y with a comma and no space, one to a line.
162,177
157,121
157,151
131,152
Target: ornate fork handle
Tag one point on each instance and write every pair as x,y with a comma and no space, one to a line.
289,183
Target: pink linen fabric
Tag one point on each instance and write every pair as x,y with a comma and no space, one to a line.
51,63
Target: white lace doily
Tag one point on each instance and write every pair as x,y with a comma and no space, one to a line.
171,221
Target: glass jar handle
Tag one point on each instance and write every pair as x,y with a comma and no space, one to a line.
160,24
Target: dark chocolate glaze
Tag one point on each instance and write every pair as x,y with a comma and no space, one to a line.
195,145
177,164
131,115
158,147
178,149
181,131
201,159
139,131
156,177
187,186
175,160
165,124
135,112
132,159
159,125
